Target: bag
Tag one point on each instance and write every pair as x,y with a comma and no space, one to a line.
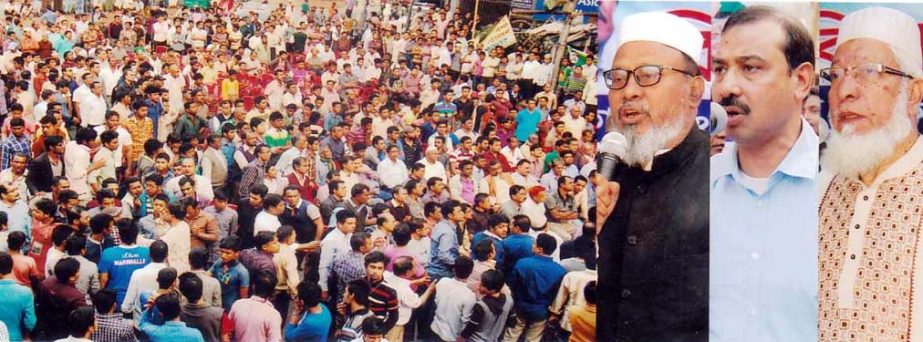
554,333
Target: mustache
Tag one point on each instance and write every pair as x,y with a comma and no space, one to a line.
640,107
735,101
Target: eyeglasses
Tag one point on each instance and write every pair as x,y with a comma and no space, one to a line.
645,76
867,73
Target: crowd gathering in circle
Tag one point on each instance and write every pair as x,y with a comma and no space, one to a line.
353,173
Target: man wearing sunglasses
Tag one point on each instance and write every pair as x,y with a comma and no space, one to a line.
870,243
653,245
763,262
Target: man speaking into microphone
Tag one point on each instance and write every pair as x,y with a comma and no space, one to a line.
653,244
763,284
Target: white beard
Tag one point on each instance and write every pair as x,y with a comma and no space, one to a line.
850,154
643,147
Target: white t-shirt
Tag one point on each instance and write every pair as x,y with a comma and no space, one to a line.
266,222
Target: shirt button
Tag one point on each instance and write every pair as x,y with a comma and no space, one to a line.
626,294
752,311
755,256
852,256
632,240
865,198
857,226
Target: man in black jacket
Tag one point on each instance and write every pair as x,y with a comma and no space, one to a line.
47,166
247,211
654,219
309,226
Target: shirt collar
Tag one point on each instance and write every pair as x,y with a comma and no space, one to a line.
800,162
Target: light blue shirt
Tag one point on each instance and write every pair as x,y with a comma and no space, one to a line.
527,123
17,308
19,219
444,250
763,261
173,331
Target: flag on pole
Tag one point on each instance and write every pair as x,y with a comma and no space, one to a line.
577,57
501,34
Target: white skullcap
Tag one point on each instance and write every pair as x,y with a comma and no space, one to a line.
663,28
890,26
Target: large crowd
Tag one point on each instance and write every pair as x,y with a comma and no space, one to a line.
295,173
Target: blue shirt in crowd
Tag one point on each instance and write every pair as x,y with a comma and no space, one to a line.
312,327
516,247
17,308
444,250
232,280
527,123
535,281
172,331
119,262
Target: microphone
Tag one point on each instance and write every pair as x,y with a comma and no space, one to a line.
612,150
718,120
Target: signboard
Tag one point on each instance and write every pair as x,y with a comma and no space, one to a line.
521,4
588,6
197,3
262,10
501,35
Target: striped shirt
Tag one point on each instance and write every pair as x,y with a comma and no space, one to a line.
445,110
383,302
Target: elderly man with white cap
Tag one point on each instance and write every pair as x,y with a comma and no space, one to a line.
653,244
870,209
763,262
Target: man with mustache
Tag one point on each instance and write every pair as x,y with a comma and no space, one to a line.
653,245
763,261
870,211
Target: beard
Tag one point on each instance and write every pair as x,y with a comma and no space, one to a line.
851,154
643,146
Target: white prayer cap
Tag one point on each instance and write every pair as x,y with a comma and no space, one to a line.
895,28
663,28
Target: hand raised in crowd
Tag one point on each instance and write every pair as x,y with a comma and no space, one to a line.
341,308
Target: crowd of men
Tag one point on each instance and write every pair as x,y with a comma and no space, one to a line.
347,173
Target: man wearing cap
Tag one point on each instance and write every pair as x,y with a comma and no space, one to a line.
653,246
763,262
869,234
